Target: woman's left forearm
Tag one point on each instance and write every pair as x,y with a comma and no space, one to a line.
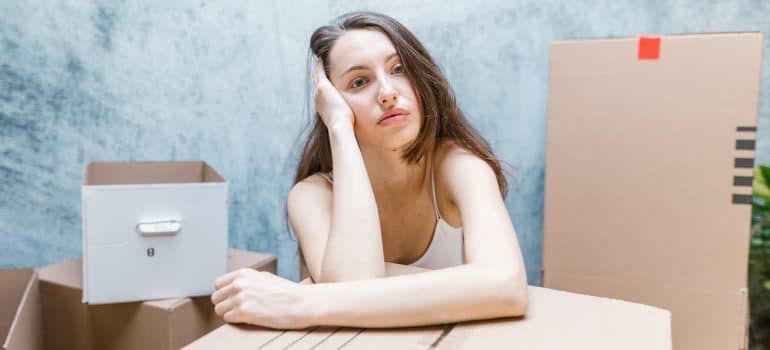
462,293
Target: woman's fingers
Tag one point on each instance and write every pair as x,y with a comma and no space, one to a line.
236,282
231,276
223,293
225,279
320,74
329,103
224,306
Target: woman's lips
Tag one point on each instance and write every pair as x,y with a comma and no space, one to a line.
393,119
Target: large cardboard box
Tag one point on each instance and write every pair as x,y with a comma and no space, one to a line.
648,176
554,320
152,230
44,310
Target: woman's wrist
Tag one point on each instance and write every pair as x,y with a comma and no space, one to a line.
313,304
341,129
342,126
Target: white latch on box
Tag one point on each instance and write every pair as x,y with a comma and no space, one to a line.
159,228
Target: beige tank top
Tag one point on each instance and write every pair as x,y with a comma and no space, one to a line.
446,248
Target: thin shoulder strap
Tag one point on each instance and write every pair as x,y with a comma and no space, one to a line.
328,177
433,189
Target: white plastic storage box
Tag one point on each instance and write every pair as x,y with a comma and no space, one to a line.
152,230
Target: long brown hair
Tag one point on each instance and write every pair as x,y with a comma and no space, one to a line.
443,117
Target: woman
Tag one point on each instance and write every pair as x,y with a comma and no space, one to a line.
391,173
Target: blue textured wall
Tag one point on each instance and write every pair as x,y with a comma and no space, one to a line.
224,82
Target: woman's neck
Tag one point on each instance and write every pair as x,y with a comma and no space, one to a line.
390,174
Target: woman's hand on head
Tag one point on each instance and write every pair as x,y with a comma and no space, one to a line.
329,104
260,298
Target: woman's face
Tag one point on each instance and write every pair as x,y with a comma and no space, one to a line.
367,71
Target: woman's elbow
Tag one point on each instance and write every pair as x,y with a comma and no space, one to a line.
513,294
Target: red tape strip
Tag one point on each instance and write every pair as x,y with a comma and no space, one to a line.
649,47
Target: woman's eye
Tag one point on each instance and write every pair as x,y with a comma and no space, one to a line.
358,82
398,69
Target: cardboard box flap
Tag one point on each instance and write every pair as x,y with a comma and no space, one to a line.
14,284
68,273
702,318
632,144
135,173
25,330
561,320
241,258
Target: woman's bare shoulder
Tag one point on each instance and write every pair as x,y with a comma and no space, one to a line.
449,153
312,185
457,167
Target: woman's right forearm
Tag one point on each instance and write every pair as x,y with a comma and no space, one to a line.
354,247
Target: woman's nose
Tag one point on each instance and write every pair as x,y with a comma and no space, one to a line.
388,94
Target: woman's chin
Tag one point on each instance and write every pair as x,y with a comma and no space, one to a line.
402,144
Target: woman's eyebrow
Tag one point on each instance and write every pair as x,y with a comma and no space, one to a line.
357,67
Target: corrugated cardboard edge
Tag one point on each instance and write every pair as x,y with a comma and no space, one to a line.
26,331
84,240
423,337
744,327
661,35
210,174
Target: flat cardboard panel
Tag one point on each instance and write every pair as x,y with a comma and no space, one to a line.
562,320
12,285
192,319
335,339
314,338
287,339
128,326
633,146
701,318
641,156
235,337
405,338
555,320
26,326
65,319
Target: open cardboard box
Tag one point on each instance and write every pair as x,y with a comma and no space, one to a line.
649,173
141,219
554,320
43,309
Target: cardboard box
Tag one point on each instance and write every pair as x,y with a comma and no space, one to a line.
152,230
44,310
21,323
648,176
554,320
